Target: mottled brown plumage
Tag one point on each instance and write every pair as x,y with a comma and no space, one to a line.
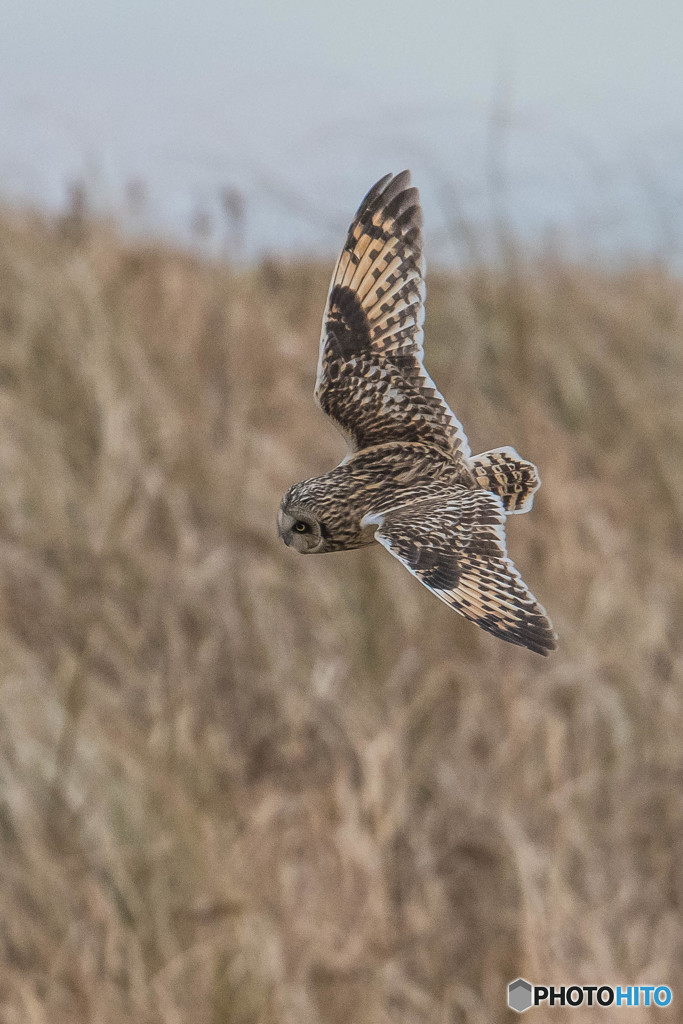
409,481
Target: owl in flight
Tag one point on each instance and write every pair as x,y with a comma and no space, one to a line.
409,480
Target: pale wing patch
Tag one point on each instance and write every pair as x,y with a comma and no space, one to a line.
372,519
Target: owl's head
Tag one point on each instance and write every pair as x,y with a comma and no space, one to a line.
300,524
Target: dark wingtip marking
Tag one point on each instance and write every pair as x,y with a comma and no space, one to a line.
372,195
396,190
398,184
385,191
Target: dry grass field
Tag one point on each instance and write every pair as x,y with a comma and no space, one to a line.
239,786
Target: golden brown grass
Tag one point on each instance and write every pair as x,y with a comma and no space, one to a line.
243,787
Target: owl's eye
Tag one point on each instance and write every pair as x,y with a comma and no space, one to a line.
302,527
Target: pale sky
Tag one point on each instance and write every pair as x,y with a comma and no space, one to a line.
302,105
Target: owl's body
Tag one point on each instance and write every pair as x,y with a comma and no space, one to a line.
358,487
409,480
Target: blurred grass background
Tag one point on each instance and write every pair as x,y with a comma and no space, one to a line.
241,786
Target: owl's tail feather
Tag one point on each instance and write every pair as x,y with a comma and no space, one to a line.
504,472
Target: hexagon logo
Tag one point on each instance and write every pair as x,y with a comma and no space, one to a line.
520,995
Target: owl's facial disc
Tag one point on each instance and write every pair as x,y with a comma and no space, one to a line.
299,529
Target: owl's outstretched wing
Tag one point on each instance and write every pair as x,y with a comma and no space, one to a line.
455,545
371,378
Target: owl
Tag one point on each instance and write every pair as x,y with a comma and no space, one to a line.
409,480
